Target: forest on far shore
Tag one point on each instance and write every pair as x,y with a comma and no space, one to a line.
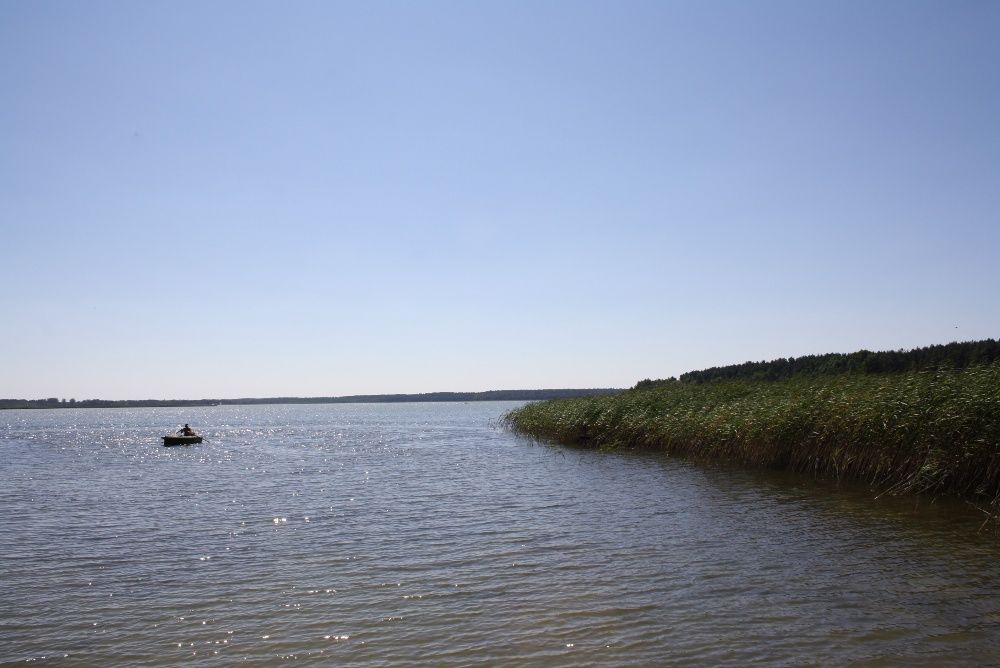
491,395
957,355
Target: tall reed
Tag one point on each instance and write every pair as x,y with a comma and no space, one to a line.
934,430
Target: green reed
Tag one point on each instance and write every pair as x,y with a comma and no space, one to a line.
933,430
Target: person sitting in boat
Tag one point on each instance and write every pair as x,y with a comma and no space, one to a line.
187,431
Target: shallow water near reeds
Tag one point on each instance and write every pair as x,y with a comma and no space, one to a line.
420,534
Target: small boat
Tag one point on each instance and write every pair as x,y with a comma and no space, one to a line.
180,439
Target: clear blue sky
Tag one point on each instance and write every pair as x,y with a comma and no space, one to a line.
322,198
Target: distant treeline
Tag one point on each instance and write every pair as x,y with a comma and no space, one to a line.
951,356
492,395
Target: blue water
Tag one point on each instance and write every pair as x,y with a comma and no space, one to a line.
421,534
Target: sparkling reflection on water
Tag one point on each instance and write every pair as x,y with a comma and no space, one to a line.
419,534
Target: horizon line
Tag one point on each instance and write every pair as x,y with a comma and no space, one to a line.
444,395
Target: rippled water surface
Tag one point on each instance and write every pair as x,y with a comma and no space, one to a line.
419,534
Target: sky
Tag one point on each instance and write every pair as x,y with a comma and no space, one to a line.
253,199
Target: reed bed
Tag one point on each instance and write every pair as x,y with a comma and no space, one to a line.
926,431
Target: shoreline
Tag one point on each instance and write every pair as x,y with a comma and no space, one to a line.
427,397
932,431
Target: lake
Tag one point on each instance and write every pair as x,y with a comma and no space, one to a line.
421,534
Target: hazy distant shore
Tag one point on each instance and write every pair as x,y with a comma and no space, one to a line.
492,395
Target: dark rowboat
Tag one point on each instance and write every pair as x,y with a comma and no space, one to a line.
177,439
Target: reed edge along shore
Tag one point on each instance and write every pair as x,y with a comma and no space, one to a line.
931,430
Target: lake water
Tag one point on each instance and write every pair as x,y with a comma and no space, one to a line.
420,534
